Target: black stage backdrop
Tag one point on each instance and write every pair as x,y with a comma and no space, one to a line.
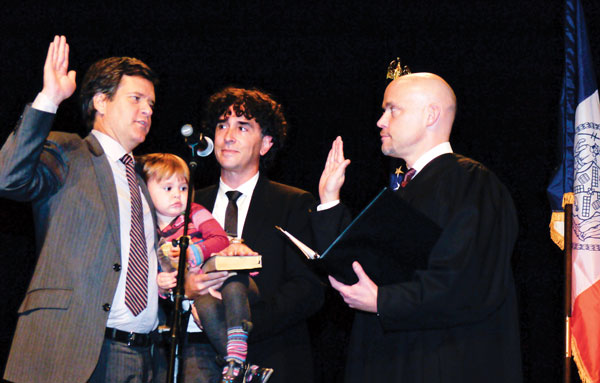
326,62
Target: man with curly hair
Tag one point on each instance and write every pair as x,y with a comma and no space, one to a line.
249,128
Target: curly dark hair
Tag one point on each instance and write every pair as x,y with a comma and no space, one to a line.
252,104
104,76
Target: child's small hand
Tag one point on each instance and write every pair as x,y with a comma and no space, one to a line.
166,281
174,252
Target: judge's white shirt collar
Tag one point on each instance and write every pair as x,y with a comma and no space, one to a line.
430,155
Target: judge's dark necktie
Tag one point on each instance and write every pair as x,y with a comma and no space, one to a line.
408,176
231,213
136,282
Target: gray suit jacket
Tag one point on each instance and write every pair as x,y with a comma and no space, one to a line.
70,184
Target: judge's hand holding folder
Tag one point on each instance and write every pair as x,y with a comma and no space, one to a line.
360,296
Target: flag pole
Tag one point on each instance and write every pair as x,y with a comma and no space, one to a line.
568,265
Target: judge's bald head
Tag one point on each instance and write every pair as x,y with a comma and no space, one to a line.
418,112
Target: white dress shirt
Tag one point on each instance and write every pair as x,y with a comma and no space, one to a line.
243,204
120,317
430,155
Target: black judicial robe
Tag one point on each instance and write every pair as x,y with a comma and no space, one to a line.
457,320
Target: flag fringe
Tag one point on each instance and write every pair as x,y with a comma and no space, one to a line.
568,198
559,217
584,375
557,237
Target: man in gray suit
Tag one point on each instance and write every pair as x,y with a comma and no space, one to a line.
91,307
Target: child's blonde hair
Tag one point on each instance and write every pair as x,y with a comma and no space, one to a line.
159,166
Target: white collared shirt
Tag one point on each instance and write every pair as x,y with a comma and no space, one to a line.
430,155
243,204
120,317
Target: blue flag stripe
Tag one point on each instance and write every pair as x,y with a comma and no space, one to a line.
579,83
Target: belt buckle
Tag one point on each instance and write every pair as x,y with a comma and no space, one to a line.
130,338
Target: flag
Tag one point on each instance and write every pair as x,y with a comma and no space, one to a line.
579,177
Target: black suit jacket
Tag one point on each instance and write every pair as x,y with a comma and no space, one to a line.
289,291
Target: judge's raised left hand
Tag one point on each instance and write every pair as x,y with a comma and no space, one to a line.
334,173
360,296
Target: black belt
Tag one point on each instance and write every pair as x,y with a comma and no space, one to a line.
197,337
130,338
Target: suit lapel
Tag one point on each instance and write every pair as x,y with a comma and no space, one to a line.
207,197
257,212
146,193
106,186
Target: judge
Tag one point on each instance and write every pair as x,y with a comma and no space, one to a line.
456,320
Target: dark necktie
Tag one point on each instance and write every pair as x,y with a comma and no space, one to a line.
136,282
231,213
408,176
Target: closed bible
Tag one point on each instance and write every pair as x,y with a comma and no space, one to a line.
232,263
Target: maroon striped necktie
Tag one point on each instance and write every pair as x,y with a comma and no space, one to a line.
408,176
136,282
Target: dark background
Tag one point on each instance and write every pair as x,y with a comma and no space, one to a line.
325,62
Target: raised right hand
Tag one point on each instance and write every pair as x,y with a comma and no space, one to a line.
58,83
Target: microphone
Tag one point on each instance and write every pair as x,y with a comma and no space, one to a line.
201,145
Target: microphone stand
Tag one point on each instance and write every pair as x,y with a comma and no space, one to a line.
177,330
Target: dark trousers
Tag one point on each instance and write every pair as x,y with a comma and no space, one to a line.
119,363
200,363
